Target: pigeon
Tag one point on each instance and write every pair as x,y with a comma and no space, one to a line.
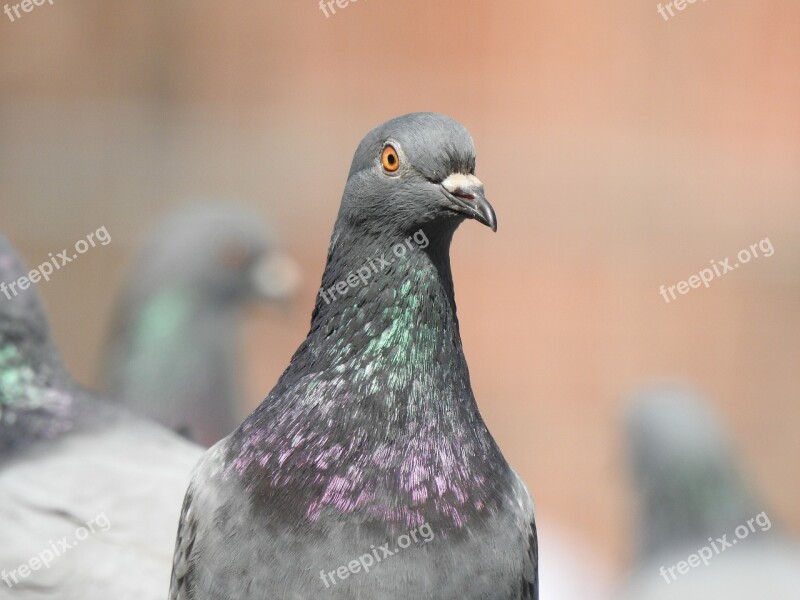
90,496
172,352
702,532
368,472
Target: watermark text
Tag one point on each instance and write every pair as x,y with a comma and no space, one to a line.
362,275
716,547
57,548
366,561
718,269
46,269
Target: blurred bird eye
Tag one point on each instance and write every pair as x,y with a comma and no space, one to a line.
233,256
389,159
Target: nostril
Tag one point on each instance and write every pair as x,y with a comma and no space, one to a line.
466,188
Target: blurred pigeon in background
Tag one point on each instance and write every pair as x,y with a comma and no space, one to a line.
368,471
701,532
173,346
89,495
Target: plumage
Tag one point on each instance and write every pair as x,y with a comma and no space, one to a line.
172,353
690,494
70,461
372,431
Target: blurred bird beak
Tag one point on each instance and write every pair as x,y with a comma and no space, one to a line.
466,192
275,277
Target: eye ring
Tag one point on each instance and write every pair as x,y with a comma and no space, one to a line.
390,159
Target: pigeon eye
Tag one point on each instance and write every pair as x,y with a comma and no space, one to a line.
390,160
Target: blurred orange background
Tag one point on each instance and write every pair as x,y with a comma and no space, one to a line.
621,152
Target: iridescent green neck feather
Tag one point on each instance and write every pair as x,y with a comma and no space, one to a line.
36,394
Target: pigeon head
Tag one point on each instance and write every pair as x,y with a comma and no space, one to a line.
219,254
414,171
688,484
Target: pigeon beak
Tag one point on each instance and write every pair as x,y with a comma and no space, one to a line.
275,277
466,192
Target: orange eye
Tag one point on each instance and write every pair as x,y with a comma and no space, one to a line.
389,159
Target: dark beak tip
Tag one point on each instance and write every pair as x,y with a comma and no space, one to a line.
473,204
485,213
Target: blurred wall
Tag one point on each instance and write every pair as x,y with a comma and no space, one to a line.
621,151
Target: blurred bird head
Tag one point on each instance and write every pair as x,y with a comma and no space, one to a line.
414,171
688,483
220,254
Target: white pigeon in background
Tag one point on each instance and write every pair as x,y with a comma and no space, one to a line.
89,495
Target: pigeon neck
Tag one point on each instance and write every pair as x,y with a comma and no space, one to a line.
375,413
386,310
35,398
28,361
172,322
